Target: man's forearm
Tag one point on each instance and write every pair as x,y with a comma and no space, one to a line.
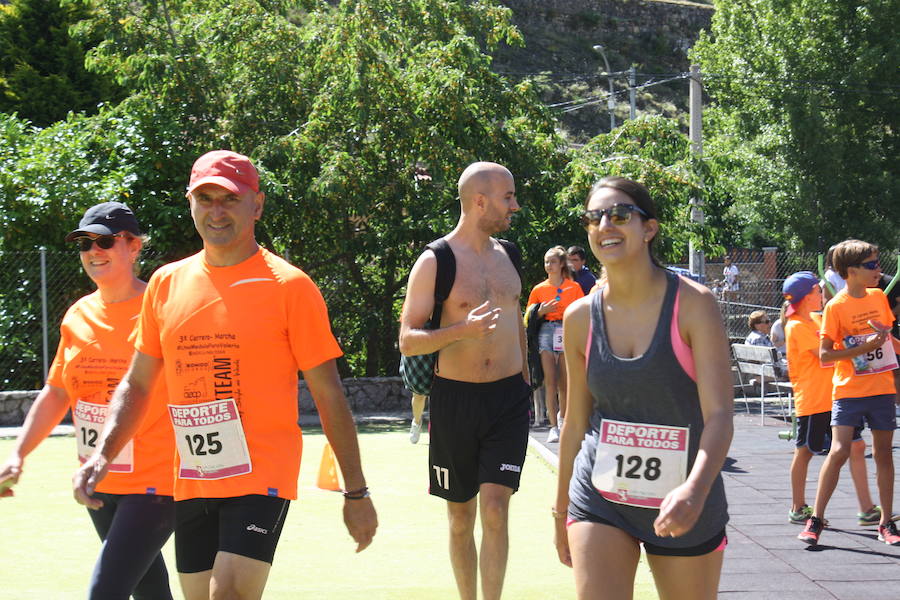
425,341
337,422
126,412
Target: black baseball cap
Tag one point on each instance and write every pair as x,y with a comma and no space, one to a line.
107,218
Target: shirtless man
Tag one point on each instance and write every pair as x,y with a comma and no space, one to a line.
480,396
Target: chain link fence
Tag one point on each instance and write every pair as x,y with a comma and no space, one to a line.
36,288
761,275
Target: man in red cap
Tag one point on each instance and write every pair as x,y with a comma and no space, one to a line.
230,327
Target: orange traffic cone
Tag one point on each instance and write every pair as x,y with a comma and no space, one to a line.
328,471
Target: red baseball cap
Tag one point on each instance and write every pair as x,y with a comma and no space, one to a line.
227,169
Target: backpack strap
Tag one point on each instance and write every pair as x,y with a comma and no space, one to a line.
445,276
514,255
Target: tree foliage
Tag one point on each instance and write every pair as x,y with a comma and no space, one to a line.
360,115
804,129
652,150
42,73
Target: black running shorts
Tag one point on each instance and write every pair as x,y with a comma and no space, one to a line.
479,434
814,432
245,525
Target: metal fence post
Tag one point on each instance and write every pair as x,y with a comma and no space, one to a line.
44,306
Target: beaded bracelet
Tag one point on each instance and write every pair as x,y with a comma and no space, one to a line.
359,494
558,515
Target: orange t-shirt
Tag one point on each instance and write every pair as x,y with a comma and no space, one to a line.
544,292
95,350
811,381
846,315
232,340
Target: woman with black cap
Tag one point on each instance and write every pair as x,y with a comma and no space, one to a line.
95,349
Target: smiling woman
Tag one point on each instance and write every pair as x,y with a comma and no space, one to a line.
137,512
649,418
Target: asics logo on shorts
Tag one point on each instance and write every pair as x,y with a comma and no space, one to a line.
252,527
506,467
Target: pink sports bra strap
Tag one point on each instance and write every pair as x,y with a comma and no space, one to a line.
679,347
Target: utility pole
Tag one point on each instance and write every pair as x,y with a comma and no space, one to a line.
697,262
632,81
611,99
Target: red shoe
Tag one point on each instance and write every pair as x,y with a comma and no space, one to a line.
813,529
888,534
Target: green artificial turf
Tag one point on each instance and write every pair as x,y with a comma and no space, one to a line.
49,546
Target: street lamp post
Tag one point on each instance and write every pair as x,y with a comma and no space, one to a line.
611,101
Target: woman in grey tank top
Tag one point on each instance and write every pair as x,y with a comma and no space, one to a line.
649,419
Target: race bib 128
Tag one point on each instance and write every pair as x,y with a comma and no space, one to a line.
639,463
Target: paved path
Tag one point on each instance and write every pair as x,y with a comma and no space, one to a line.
764,560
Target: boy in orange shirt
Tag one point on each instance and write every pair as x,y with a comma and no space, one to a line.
855,336
812,397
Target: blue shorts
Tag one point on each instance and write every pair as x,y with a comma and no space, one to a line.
545,335
877,411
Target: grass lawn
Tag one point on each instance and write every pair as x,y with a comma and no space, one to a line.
49,546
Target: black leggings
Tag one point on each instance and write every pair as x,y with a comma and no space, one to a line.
133,527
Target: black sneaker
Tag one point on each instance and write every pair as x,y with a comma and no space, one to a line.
811,532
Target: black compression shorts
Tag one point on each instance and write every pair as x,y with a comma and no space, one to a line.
245,525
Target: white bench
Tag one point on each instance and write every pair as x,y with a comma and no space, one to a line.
760,365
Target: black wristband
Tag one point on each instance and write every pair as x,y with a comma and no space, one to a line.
359,494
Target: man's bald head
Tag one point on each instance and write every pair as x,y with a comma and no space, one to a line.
479,178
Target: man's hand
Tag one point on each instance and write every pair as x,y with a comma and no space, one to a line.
9,475
361,521
482,320
86,479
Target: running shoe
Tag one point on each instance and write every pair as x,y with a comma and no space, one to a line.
799,517
553,436
869,518
888,534
811,532
414,430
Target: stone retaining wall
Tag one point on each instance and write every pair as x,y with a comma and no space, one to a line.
364,394
679,22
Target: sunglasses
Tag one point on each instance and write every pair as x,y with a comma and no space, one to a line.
618,214
104,242
558,294
870,265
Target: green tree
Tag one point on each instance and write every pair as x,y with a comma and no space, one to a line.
361,115
42,74
803,133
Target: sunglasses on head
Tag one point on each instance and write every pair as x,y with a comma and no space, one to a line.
105,242
618,214
870,265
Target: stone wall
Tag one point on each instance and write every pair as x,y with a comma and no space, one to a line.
366,395
673,20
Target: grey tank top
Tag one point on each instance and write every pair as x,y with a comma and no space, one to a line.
652,388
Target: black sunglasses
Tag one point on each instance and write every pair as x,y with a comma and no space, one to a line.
618,214
105,242
870,265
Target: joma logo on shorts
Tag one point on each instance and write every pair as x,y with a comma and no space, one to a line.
506,467
252,527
